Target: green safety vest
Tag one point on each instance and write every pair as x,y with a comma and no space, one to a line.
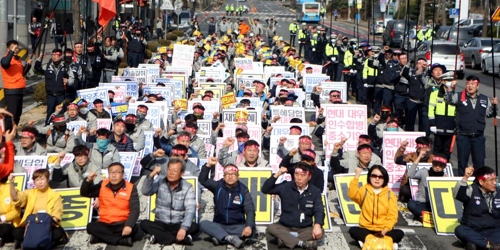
227,7
420,35
302,34
428,34
329,50
293,27
314,39
232,8
322,11
348,58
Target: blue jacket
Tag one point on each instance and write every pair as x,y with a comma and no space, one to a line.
231,204
476,214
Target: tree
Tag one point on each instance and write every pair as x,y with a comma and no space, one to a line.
77,31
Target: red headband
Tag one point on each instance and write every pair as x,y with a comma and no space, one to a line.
183,136
73,105
98,105
27,134
421,145
252,146
486,176
305,139
440,159
301,171
178,152
119,121
198,110
230,169
59,119
310,154
190,129
295,130
57,53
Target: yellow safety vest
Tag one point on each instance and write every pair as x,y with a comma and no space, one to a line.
368,71
442,108
302,34
293,27
347,58
232,8
322,11
329,50
227,7
314,40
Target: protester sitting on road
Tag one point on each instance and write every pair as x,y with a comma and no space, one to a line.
11,214
234,219
375,196
41,199
480,224
118,207
102,153
59,139
175,206
28,146
74,173
422,202
307,220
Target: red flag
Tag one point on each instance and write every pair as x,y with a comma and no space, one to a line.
107,10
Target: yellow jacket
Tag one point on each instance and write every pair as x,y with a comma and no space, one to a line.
378,211
27,199
13,213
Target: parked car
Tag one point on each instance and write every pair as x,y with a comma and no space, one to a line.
464,34
445,53
393,35
377,27
475,49
468,22
441,32
487,64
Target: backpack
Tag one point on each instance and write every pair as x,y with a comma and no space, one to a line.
38,232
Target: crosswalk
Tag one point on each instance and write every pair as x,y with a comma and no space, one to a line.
415,235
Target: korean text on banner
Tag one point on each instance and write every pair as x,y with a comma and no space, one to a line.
446,210
228,100
140,74
52,158
77,210
128,159
392,142
183,55
350,209
90,95
181,103
292,141
31,164
152,199
20,180
287,113
344,120
264,206
243,63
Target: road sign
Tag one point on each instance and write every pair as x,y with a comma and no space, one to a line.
167,5
454,12
496,16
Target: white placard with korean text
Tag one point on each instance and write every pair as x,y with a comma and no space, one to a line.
31,163
311,80
326,87
153,72
154,112
391,144
243,63
448,172
254,116
183,56
104,123
292,141
177,86
120,90
90,95
128,159
287,113
140,74
283,129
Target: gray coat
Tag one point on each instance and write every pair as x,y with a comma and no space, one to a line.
103,159
138,138
76,174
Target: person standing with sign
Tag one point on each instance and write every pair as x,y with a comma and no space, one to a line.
480,224
379,206
175,206
229,224
303,203
118,209
422,202
472,109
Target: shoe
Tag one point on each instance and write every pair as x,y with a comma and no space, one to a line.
17,244
152,239
1,242
126,242
310,245
235,241
280,243
93,240
360,244
188,240
395,246
215,241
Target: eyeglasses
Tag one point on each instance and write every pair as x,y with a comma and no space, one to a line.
375,176
115,172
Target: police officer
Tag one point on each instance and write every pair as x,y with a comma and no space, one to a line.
322,42
420,35
56,78
472,108
227,9
331,55
401,84
350,71
293,28
312,52
383,58
442,117
429,33
303,40
370,72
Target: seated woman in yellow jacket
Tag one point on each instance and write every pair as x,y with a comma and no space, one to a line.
39,199
379,206
10,214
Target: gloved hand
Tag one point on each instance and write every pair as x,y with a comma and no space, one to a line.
433,129
333,58
313,49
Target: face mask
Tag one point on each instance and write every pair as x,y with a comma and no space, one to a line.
345,43
392,129
199,116
241,146
169,55
84,111
102,144
434,173
283,99
384,116
68,59
130,126
140,116
61,129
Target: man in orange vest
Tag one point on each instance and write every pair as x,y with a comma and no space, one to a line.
14,82
118,207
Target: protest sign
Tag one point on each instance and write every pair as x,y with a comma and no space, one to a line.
254,178
350,209
229,116
52,158
205,127
77,210
243,63
448,172
183,55
177,84
154,111
20,180
104,123
311,80
283,129
326,87
316,69
119,108
31,164
90,95
287,113
128,159
165,92
292,141
122,78
140,74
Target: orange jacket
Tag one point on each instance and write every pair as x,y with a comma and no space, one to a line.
13,76
244,28
114,208
8,163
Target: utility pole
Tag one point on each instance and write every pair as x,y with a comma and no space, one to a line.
4,25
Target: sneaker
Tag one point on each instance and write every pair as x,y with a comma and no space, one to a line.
310,245
188,240
470,246
360,244
93,240
152,239
235,241
126,242
280,243
215,241
395,246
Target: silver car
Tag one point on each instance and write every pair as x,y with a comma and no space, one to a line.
475,49
445,53
489,65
